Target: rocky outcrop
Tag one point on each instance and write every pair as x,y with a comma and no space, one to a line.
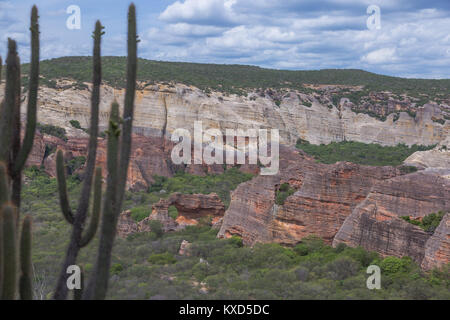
324,196
439,157
191,208
375,224
437,248
160,109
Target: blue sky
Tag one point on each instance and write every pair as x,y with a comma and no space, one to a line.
413,39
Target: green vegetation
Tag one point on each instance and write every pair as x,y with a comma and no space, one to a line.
428,223
361,153
186,183
234,78
140,213
162,258
283,192
75,123
150,266
52,130
173,212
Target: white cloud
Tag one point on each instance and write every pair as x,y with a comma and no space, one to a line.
209,12
385,55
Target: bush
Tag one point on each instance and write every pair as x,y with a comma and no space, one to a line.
75,123
173,212
140,213
162,259
52,131
116,268
283,193
156,228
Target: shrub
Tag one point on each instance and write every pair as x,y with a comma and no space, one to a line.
75,123
52,131
173,212
283,193
140,213
156,228
116,268
162,258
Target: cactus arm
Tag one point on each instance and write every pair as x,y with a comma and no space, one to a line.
62,188
98,283
93,225
93,139
83,204
7,115
4,188
26,276
128,111
9,252
27,144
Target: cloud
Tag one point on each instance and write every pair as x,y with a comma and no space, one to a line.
385,55
203,12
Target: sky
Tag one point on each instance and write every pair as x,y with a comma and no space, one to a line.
406,38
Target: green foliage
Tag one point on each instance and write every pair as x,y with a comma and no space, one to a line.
361,153
428,223
52,130
156,228
283,193
116,268
75,163
162,258
393,265
186,183
75,123
140,213
173,212
234,79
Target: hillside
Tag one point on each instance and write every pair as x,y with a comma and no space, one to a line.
232,78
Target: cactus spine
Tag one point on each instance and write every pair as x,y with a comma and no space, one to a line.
13,156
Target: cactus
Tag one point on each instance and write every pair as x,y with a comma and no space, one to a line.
13,156
78,239
117,166
117,174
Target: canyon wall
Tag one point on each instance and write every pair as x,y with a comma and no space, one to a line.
160,109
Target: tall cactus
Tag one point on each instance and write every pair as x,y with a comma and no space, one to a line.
78,239
117,166
117,174
13,156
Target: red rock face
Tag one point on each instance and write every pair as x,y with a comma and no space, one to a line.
325,195
437,248
376,225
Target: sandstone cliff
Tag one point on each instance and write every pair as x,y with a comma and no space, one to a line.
375,224
324,196
160,109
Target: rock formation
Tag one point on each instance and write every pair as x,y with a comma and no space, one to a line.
191,208
375,224
160,109
325,195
